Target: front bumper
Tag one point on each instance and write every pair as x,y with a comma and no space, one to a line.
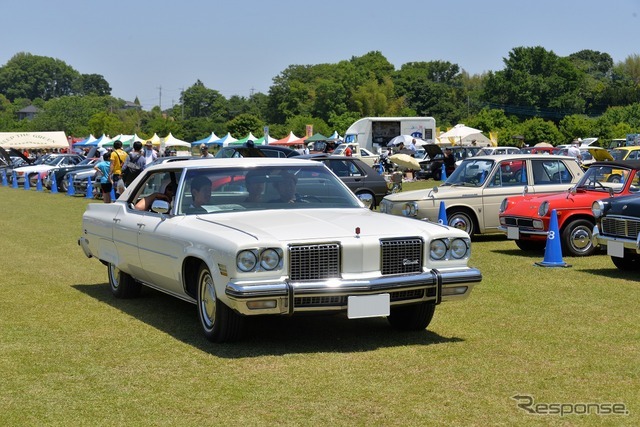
597,239
285,297
515,233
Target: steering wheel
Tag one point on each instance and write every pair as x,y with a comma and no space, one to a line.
595,184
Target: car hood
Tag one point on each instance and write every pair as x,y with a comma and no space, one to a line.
626,205
600,154
442,193
325,225
432,150
33,168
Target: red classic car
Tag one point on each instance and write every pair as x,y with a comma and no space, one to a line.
525,218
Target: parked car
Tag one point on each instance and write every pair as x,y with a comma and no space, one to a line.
525,219
362,153
474,191
431,163
631,152
322,252
59,172
256,151
617,229
363,180
43,165
497,150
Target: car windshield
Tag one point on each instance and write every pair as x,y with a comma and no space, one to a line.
605,178
471,172
618,154
214,190
89,161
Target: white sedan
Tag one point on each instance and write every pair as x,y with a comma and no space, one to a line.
245,237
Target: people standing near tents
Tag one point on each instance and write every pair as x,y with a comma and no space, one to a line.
117,159
103,168
204,151
149,153
134,164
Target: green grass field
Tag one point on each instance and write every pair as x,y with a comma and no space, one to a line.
71,354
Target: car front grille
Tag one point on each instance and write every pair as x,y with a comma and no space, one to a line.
322,261
314,262
518,222
401,256
620,227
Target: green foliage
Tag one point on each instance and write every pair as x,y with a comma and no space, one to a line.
245,123
30,76
199,101
577,126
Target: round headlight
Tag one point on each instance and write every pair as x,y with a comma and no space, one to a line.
598,208
246,261
543,209
438,249
503,206
269,259
410,209
459,248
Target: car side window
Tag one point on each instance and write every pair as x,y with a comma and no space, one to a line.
510,173
155,183
550,172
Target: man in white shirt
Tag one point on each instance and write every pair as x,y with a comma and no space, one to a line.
574,151
149,153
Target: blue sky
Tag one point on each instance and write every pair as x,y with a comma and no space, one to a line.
237,47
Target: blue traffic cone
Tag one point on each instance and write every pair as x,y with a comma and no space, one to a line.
4,178
70,190
27,184
39,183
113,195
553,250
89,194
442,215
54,185
14,180
443,174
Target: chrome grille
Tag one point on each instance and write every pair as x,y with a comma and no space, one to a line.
314,262
620,227
401,256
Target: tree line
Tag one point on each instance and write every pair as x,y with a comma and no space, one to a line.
537,96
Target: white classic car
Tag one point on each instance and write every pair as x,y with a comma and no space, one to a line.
473,193
262,236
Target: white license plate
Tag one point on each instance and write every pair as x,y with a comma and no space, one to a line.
368,306
513,233
615,249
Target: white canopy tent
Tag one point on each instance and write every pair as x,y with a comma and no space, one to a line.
31,140
461,134
172,141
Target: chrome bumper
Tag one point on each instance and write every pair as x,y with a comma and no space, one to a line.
598,239
285,297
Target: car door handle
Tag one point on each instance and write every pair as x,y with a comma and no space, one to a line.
140,224
116,219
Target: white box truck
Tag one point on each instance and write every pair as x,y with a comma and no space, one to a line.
375,133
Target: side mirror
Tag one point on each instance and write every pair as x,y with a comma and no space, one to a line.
160,206
366,199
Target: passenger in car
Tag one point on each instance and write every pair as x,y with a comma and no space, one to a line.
286,188
145,203
200,194
255,184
